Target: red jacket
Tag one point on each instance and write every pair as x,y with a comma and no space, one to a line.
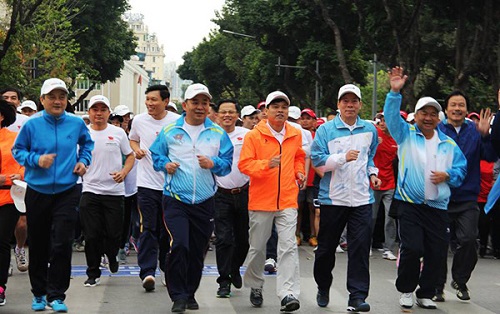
387,151
272,189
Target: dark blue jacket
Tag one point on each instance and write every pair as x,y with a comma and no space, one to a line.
475,148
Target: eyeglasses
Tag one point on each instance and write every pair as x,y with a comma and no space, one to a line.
227,112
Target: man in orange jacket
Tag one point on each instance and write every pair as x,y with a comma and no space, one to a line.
273,158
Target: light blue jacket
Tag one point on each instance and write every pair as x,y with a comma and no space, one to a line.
190,183
412,158
345,183
46,134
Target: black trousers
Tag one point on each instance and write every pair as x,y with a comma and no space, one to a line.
153,241
332,221
424,232
102,219
464,218
190,226
129,209
8,219
231,230
51,228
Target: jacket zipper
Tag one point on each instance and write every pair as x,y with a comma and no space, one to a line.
55,163
279,182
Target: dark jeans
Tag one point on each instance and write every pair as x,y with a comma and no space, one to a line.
51,229
8,219
464,218
130,206
102,220
272,244
231,230
153,241
424,232
190,226
489,225
333,219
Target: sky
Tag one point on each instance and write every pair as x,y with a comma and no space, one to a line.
179,24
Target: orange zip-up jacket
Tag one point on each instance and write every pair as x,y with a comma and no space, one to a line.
8,165
272,189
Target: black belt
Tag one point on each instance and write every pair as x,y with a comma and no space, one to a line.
5,187
233,191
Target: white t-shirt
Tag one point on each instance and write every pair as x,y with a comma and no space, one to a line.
307,138
109,146
431,145
280,136
193,130
131,180
144,130
20,120
235,178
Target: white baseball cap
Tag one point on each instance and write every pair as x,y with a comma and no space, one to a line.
277,95
427,101
411,117
99,99
28,104
294,112
349,88
248,111
195,89
51,84
121,110
172,105
17,192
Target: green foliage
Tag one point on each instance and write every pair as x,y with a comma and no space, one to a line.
48,39
104,38
442,45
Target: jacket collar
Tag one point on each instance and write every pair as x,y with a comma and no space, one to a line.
180,122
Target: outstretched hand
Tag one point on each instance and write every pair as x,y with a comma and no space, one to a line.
485,117
397,79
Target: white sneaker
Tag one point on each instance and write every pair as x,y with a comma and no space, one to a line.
270,265
389,256
21,260
426,303
406,300
163,278
339,249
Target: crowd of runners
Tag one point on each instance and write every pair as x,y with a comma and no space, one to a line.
259,181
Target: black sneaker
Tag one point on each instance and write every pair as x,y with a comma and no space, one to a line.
179,306
439,297
192,304
224,290
236,280
289,304
113,264
92,282
322,298
256,297
358,305
462,292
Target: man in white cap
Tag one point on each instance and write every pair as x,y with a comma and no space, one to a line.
273,158
430,163
124,112
190,152
249,116
55,148
171,107
28,108
103,190
343,150
145,127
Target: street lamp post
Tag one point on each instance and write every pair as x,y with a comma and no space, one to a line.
374,94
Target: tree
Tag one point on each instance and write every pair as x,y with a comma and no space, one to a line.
38,44
104,39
